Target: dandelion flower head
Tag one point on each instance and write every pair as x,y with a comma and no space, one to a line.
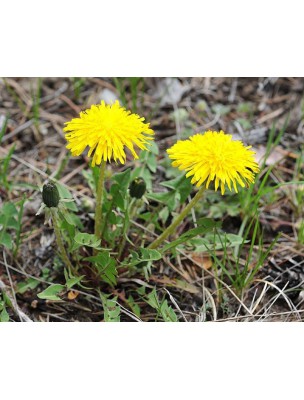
214,156
107,130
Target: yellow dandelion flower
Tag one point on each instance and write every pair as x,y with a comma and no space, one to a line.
214,156
107,130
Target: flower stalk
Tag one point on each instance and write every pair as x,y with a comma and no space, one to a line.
59,241
129,215
99,197
167,232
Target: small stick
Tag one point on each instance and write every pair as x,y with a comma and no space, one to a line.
22,316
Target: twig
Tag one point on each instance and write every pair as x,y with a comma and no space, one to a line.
258,316
281,293
19,129
232,93
22,316
176,305
271,115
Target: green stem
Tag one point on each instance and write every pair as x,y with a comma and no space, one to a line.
99,195
129,214
105,219
59,241
167,232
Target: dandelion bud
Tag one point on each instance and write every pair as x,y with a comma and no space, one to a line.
137,188
50,195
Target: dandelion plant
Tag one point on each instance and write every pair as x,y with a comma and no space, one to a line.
210,157
107,130
51,200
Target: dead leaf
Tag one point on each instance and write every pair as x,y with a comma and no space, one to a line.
181,284
275,155
72,294
2,121
169,91
107,95
202,259
178,283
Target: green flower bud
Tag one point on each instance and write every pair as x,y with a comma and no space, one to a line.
137,188
50,195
